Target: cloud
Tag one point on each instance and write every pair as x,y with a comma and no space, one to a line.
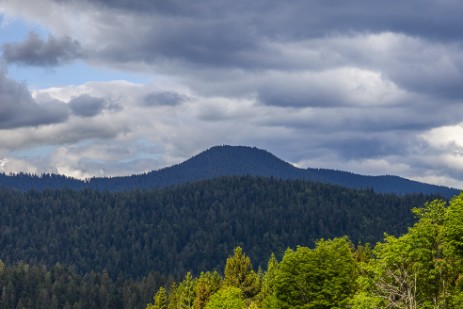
86,105
37,52
323,83
308,18
19,109
44,118
331,88
164,98
224,34
105,158
13,165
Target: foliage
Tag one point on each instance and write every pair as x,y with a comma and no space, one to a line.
420,269
417,269
206,285
266,293
93,249
453,229
211,291
239,273
187,292
160,300
227,298
320,278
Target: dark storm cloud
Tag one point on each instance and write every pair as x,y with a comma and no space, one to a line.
87,106
202,40
172,44
350,121
300,18
436,79
177,8
291,95
164,98
364,146
239,34
19,109
38,52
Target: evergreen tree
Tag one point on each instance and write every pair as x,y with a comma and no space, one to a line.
266,295
174,296
160,300
206,285
239,273
187,292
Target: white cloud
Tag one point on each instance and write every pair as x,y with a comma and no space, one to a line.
15,165
445,136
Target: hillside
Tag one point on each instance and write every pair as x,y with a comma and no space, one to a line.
222,161
190,227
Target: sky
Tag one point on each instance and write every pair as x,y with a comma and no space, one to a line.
120,87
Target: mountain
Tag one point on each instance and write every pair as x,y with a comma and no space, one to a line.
218,161
225,160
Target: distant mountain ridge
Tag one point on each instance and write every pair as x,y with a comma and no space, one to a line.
221,161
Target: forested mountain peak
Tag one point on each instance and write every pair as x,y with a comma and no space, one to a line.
232,160
220,161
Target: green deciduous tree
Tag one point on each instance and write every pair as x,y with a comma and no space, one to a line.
417,269
320,278
228,297
453,229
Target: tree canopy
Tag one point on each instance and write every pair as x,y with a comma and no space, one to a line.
422,268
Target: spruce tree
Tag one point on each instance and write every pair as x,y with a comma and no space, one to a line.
239,273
